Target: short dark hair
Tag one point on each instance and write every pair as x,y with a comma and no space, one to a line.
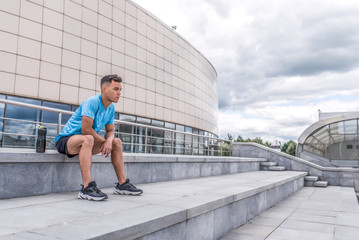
110,78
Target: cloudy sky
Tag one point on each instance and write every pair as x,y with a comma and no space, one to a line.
278,61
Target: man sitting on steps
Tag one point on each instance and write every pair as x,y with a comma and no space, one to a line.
80,137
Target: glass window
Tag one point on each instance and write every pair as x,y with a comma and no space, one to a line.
170,125
188,129
18,129
157,123
2,109
23,113
50,120
179,128
188,141
350,127
142,120
128,118
52,117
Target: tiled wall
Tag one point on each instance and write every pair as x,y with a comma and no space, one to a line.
58,50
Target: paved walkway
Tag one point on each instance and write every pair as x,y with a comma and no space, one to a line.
163,204
330,213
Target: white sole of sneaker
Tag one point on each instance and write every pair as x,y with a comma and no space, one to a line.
88,197
124,192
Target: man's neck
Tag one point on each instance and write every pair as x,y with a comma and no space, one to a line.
105,102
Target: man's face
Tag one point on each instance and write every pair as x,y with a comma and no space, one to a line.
112,91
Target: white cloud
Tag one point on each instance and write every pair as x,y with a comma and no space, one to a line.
278,62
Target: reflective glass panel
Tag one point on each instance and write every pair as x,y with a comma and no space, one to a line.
128,118
350,127
32,116
2,108
170,125
143,120
52,117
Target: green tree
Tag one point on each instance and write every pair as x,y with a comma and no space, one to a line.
267,144
289,147
284,147
239,139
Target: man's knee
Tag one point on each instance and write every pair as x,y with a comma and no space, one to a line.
117,143
88,141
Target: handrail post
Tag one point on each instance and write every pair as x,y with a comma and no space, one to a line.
221,150
145,139
59,123
231,145
172,142
192,144
208,146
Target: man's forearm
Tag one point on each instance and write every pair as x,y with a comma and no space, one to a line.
92,132
109,136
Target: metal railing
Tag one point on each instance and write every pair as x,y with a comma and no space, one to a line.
135,137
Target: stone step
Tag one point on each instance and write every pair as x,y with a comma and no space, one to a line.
269,164
320,184
282,221
201,208
311,178
63,174
277,168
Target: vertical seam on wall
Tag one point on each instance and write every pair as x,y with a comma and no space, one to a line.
62,51
17,46
42,30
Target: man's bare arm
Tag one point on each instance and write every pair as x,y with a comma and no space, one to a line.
110,131
106,148
87,129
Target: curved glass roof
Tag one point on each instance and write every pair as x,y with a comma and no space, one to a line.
336,141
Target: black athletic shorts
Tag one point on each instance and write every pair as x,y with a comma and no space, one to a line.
61,146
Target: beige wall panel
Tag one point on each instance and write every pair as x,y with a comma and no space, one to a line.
87,81
85,94
8,42
50,71
7,82
26,86
28,66
69,94
49,90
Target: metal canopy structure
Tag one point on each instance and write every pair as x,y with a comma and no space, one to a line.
334,139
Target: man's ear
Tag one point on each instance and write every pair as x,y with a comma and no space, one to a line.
103,87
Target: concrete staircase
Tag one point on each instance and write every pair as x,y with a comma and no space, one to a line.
314,181
309,181
185,197
271,166
205,208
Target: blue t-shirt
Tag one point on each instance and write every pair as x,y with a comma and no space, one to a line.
93,108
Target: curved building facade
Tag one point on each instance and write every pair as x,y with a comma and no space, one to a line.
332,140
54,53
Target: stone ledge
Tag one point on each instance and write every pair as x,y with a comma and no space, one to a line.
236,152
204,208
30,173
52,156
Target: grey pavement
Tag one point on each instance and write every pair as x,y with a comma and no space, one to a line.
311,213
170,204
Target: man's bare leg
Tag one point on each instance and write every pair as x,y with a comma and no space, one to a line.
117,160
82,145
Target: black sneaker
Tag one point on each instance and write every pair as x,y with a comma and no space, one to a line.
127,188
91,192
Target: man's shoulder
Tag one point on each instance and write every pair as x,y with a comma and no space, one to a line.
92,101
94,98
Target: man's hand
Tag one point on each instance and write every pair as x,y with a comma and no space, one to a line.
106,148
